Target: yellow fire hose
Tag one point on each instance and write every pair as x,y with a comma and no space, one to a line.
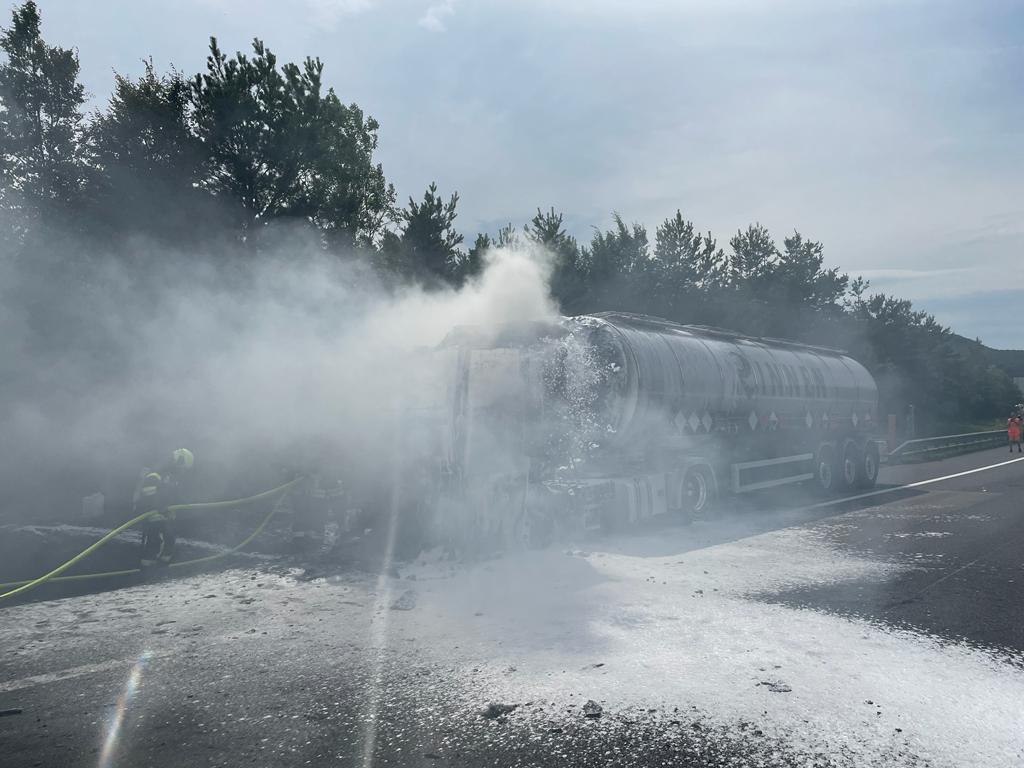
54,575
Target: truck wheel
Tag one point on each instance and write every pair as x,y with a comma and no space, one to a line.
869,463
826,473
697,492
851,466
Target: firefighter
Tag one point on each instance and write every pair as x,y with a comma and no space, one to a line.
158,490
1013,430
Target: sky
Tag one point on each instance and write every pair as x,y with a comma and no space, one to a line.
889,130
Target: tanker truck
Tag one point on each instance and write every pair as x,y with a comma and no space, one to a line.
529,431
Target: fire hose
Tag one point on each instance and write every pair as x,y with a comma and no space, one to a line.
54,575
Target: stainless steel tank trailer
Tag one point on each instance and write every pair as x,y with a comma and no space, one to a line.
606,419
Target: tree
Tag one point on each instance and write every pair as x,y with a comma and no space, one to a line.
567,273
145,128
428,246
482,244
149,158
282,148
622,250
910,354
507,237
754,256
617,261
801,297
746,304
690,266
995,387
802,279
41,152
473,263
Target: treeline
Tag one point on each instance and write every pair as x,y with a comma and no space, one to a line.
217,162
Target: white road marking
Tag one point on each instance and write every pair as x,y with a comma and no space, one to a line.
918,484
66,674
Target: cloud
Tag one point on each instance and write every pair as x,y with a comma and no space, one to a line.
329,11
907,274
435,15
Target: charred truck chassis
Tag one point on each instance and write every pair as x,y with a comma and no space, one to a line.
538,430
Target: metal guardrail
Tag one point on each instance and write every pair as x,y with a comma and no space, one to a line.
969,441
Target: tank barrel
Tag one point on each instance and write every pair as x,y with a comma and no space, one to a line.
701,380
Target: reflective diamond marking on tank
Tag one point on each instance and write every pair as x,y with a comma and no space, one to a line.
680,422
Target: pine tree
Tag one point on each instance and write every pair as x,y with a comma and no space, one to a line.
42,166
428,246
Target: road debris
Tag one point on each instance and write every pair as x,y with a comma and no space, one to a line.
495,710
405,602
592,709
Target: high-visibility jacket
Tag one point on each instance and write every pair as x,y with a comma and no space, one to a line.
1013,429
154,491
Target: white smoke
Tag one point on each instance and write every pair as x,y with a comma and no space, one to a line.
243,363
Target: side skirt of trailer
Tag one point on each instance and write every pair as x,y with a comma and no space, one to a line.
769,473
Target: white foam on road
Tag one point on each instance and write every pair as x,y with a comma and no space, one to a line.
682,631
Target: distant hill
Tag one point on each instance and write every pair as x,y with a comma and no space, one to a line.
1010,360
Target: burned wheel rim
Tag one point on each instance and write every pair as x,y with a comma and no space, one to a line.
826,470
825,475
852,463
869,466
850,471
696,491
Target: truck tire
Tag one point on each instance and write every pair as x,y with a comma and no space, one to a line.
826,471
869,464
697,492
851,466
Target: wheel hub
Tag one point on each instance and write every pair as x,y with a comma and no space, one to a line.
870,468
696,491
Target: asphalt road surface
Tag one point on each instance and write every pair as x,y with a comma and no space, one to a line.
887,630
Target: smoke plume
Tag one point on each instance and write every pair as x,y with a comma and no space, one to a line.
255,364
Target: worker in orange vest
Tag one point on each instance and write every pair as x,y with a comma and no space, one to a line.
1013,429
